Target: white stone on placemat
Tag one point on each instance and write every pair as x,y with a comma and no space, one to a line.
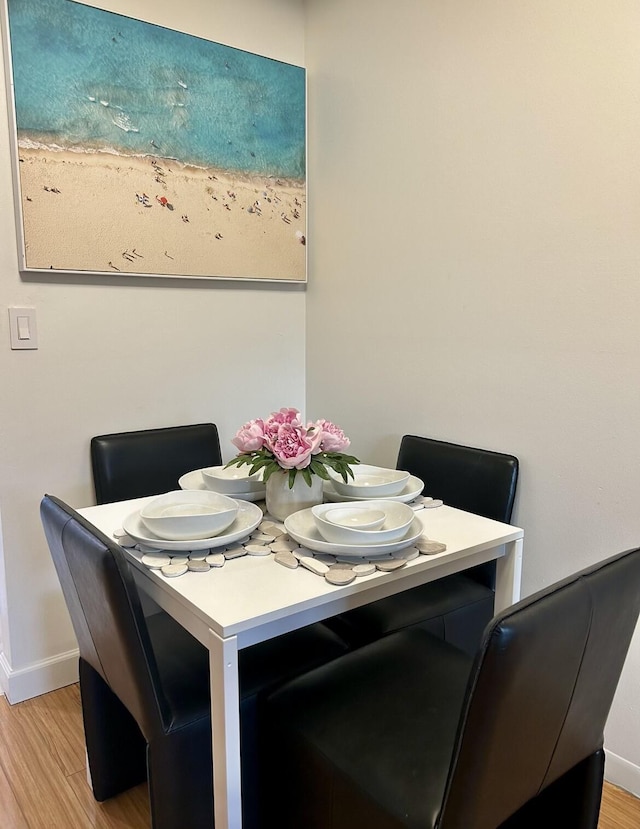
198,567
173,570
339,576
287,559
147,548
198,556
407,553
215,559
234,552
123,539
155,561
179,559
265,538
343,565
325,558
364,569
390,564
271,528
430,548
432,503
278,545
314,565
258,549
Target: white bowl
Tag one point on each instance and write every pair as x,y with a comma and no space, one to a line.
398,518
231,480
371,482
358,518
189,514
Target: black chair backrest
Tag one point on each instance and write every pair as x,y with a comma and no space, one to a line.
540,692
150,461
475,480
105,612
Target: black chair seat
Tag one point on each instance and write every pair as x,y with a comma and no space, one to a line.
391,739
409,733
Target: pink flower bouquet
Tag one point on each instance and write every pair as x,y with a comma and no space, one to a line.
283,442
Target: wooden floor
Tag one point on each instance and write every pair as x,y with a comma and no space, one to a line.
43,783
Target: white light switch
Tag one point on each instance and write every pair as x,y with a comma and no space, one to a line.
22,325
23,328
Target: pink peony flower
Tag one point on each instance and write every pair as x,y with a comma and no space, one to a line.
277,419
292,447
285,415
251,437
333,438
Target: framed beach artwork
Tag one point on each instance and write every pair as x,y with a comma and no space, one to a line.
146,151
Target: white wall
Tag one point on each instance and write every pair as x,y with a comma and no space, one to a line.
118,354
474,258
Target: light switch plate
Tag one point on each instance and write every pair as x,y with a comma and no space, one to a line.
22,325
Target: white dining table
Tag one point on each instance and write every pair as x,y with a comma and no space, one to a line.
252,599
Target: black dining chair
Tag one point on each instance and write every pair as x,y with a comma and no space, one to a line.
145,682
409,732
150,461
458,607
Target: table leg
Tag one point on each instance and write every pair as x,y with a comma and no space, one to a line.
508,575
225,727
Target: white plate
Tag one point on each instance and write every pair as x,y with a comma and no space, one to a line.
194,480
248,518
302,527
413,488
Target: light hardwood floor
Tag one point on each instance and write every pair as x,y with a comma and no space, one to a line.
43,782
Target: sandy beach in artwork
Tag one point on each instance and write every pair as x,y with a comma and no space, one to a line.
110,213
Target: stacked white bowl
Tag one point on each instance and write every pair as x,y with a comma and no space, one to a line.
234,481
366,522
188,514
371,482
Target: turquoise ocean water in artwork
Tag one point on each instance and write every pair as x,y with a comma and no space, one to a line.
87,79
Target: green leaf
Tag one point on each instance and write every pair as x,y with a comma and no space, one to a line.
268,471
318,469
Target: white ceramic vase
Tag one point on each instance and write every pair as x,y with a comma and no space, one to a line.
282,501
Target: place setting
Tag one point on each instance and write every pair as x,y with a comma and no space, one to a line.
364,530
344,541
191,521
368,481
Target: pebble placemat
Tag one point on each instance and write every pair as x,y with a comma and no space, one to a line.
271,539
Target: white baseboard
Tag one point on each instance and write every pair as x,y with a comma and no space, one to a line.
39,678
622,773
